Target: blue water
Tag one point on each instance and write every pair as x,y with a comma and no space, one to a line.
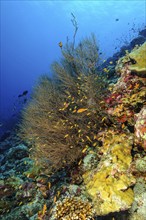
31,31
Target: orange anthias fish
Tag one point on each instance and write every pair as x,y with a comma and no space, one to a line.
81,110
44,209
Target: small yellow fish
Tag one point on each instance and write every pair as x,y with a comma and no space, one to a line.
50,212
130,87
49,185
44,209
136,86
58,193
123,126
91,152
84,150
55,199
88,138
66,135
94,137
110,88
111,62
79,162
103,119
105,70
39,212
5,190
60,44
81,110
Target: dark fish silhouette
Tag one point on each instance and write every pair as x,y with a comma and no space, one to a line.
117,19
23,94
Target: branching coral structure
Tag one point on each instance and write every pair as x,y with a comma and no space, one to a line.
71,208
64,114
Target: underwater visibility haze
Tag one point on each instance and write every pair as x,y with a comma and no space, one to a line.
31,31
73,110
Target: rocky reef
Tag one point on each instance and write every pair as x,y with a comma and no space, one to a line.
108,180
136,60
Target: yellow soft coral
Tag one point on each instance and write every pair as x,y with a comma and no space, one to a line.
108,185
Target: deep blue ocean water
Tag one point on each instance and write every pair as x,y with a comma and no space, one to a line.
31,31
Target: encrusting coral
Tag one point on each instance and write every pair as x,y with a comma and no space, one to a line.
137,211
109,184
140,127
127,95
136,60
139,56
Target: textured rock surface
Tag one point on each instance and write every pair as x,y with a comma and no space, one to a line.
138,209
140,127
109,185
